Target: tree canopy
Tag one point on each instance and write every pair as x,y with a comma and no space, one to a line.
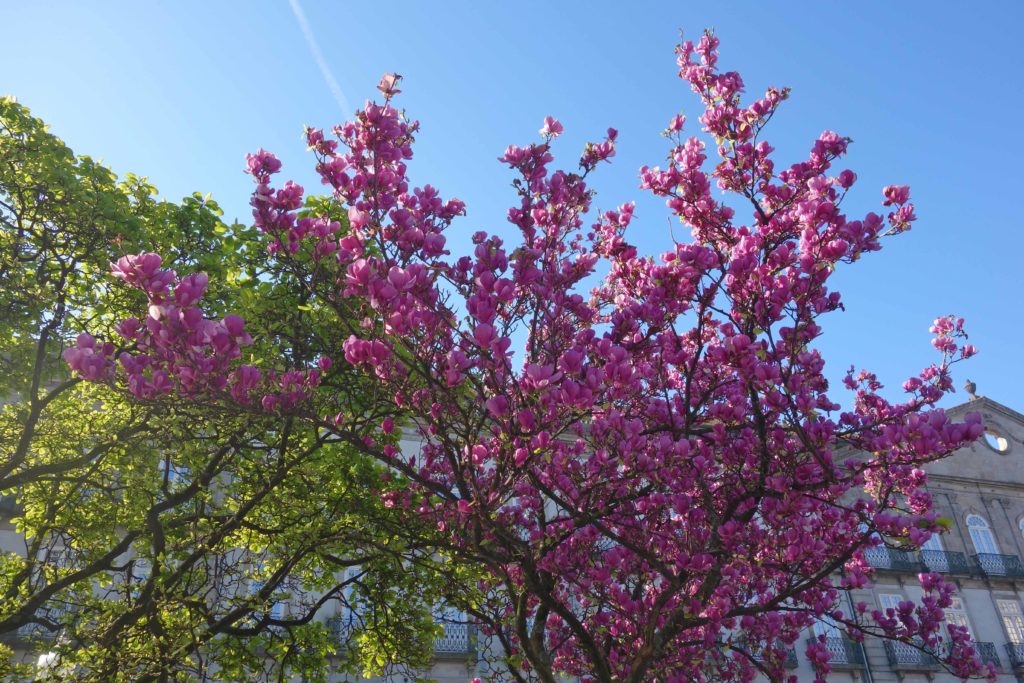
171,539
649,480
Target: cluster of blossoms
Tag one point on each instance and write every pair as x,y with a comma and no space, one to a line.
175,349
662,488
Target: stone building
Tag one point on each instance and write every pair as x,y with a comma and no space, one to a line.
980,489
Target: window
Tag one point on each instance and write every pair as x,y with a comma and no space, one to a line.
141,570
1013,620
350,613
890,601
934,555
455,637
174,475
61,557
826,628
956,615
996,441
274,607
981,535
934,543
54,562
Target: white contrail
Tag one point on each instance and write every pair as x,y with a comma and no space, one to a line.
318,57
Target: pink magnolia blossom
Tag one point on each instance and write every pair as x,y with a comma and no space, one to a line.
551,128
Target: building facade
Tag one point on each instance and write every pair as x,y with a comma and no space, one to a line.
980,490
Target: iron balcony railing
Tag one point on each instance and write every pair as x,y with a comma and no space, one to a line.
1015,653
991,564
988,653
23,634
340,627
889,559
946,562
455,641
457,637
60,614
843,652
907,657
790,662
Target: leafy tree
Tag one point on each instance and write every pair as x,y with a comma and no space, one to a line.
171,539
660,485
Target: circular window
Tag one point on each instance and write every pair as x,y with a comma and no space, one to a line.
996,441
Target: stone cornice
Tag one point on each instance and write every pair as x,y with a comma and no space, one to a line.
938,479
985,403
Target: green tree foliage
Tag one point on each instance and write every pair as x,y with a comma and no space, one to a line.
172,540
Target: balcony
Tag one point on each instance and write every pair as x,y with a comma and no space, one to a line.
1015,653
888,559
991,564
28,633
906,657
843,652
988,654
946,562
790,662
22,634
455,642
340,627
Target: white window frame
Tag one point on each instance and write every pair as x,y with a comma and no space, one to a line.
274,608
141,571
981,535
890,601
934,542
177,476
826,628
1013,620
956,615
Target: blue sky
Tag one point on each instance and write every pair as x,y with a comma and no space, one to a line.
929,92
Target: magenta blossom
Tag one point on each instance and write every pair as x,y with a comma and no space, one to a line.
656,482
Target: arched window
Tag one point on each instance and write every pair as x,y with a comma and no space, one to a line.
981,535
1021,525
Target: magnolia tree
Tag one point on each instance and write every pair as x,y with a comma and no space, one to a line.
657,485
